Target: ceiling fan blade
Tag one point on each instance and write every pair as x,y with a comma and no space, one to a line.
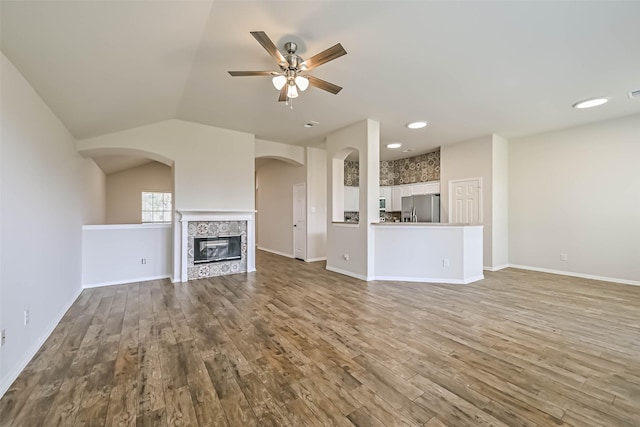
323,57
283,94
253,73
266,43
324,85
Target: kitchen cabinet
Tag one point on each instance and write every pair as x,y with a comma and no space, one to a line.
406,190
351,199
386,193
396,199
393,195
400,191
425,188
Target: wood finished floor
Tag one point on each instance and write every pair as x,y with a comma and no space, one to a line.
296,345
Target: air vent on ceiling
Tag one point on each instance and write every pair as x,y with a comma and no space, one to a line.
634,94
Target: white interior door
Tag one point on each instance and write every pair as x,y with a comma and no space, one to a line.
465,201
299,221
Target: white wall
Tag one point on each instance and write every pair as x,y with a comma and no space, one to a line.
292,154
355,240
48,192
213,168
275,180
485,158
500,201
576,191
124,190
470,159
113,254
316,204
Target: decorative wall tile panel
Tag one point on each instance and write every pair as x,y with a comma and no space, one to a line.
422,168
215,229
351,173
387,169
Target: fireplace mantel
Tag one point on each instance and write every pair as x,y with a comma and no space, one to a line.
218,215
186,216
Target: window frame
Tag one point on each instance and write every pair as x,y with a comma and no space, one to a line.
166,214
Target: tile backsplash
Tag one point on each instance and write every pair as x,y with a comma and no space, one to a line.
422,168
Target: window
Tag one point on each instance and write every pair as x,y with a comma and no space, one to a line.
156,207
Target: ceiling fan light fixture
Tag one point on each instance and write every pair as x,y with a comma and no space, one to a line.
292,91
302,82
287,81
417,125
279,82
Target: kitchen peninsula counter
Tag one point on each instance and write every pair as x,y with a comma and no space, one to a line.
424,224
428,252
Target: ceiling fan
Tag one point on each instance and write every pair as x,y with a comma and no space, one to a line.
292,75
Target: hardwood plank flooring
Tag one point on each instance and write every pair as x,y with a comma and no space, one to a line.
296,345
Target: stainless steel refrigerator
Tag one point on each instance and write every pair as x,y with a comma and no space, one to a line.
424,208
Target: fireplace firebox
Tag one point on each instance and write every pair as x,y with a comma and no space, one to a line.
214,249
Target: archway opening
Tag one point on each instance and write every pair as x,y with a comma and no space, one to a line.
139,185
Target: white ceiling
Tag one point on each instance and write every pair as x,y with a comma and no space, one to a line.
469,68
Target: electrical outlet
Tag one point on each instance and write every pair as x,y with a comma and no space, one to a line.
3,333
445,262
563,257
144,260
346,257
26,317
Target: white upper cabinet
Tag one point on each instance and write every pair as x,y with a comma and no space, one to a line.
392,194
351,199
426,188
396,199
406,190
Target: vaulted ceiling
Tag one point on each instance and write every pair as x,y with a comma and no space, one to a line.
469,68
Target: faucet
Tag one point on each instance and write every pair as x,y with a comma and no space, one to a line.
414,215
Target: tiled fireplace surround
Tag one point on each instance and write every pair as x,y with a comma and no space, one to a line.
215,224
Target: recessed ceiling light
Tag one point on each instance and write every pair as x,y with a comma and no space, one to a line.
417,125
593,102
310,124
408,150
394,145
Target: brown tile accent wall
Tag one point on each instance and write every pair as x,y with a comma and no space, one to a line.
216,229
422,168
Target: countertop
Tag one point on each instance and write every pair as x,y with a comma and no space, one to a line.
422,224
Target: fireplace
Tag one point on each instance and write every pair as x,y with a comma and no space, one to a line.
216,249
216,243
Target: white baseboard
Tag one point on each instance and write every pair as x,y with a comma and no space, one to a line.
11,376
349,273
496,268
316,259
126,281
431,280
580,275
275,252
